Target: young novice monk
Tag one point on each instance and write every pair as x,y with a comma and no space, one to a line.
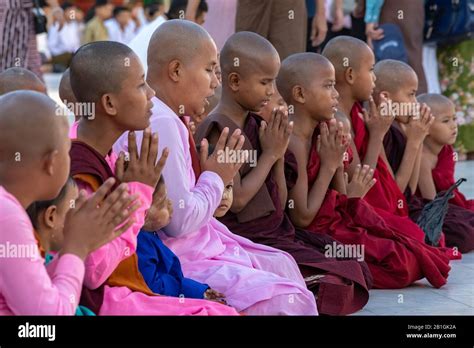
67,96
159,266
353,62
256,279
403,145
14,79
258,210
35,170
437,173
439,144
323,201
110,75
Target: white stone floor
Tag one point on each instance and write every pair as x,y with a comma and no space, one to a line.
455,298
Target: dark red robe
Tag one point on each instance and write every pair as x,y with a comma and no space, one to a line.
443,177
344,287
385,196
458,226
394,259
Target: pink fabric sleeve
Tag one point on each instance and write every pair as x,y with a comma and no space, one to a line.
102,262
25,284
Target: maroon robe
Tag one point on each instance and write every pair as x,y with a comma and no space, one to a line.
458,226
344,287
394,259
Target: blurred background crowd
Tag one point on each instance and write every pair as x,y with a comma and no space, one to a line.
433,36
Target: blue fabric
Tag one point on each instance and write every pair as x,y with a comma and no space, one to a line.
372,10
392,45
310,8
161,269
81,311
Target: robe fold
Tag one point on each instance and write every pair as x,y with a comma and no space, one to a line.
344,287
458,226
394,259
113,282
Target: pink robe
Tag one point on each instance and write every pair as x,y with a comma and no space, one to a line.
26,288
256,279
101,263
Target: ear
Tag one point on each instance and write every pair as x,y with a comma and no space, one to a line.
234,81
109,104
49,162
349,75
175,70
49,217
297,92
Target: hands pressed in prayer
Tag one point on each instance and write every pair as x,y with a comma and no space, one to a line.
142,168
332,144
213,295
275,136
418,128
377,121
102,215
214,163
362,181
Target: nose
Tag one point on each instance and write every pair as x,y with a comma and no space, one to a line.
214,80
150,91
271,89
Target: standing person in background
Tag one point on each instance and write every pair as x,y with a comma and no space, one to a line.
409,15
64,36
220,21
121,27
17,36
283,23
95,28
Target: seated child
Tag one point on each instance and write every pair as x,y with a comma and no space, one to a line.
159,266
258,209
256,279
354,62
47,218
121,96
438,153
26,288
13,79
324,201
403,145
437,173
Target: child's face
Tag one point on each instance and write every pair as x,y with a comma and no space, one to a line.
53,219
226,202
134,98
405,98
199,80
364,77
160,212
104,12
256,89
321,97
444,129
276,101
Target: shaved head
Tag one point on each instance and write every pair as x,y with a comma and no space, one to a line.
29,126
14,79
244,52
98,68
436,102
65,90
391,74
175,39
300,69
345,51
